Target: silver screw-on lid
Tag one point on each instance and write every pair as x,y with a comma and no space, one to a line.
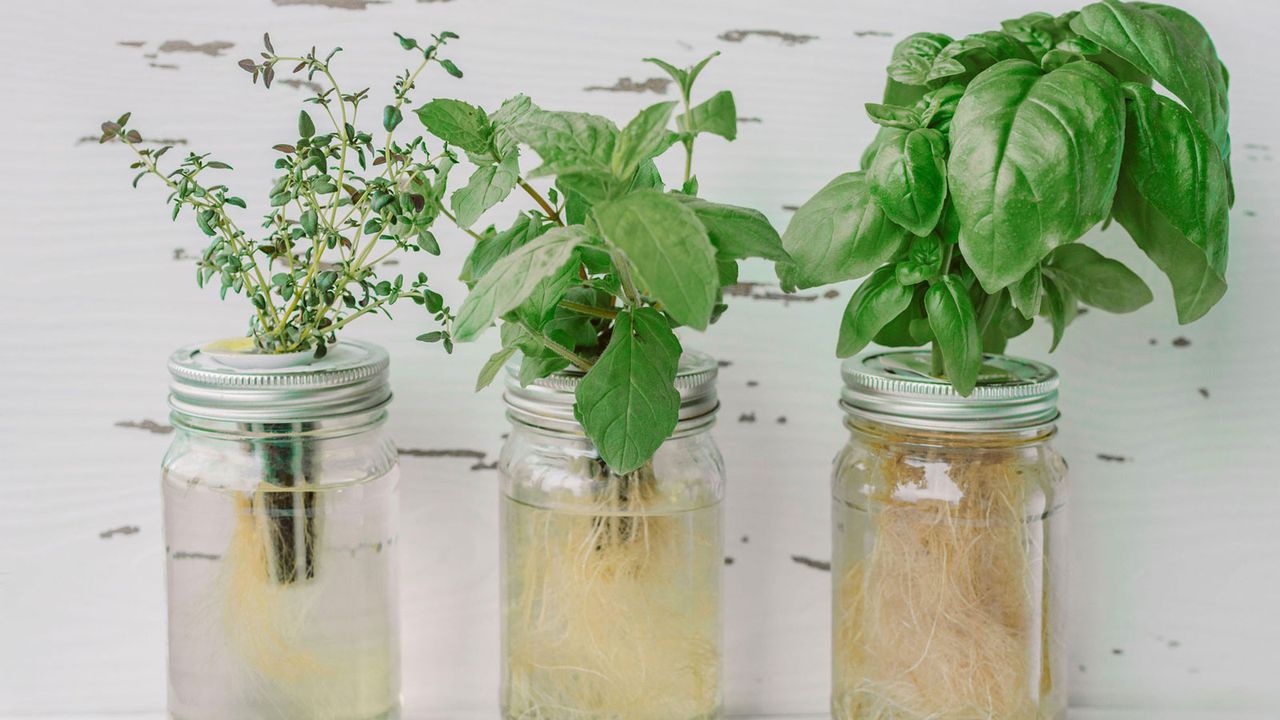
897,387
548,402
351,378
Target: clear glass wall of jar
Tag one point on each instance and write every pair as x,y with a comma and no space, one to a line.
948,559
280,504
610,583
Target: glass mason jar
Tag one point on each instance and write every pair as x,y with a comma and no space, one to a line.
948,560
280,516
610,582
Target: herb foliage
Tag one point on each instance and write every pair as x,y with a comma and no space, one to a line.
996,153
599,273
345,200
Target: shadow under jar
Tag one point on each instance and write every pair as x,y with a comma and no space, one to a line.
610,582
948,559
280,506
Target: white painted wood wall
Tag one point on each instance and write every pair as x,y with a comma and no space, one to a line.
1175,549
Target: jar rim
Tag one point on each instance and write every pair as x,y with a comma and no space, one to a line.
352,378
896,387
547,403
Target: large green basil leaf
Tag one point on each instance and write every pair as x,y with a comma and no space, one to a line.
1173,199
674,260
1033,163
1097,280
914,56
971,55
908,179
955,329
876,302
1170,46
628,403
488,186
838,234
514,278
737,232
645,136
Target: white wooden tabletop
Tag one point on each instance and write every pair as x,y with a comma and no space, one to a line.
1170,431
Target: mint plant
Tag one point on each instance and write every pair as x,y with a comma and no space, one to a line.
604,266
345,200
996,153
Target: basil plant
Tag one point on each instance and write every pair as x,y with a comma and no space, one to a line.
996,153
605,265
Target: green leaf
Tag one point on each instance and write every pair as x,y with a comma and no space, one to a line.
913,57
495,246
488,186
306,128
893,116
1170,46
923,261
736,232
564,139
493,366
451,68
971,55
645,136
1060,306
955,327
718,115
458,123
1098,281
1173,199
838,234
674,260
514,278
310,221
1025,293
876,302
680,76
1033,163
908,179
391,117
509,113
540,306
628,403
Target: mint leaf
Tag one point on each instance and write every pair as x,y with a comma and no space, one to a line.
644,137
737,232
458,123
510,113
514,278
717,115
674,260
955,329
495,246
564,139
488,186
876,303
493,366
628,403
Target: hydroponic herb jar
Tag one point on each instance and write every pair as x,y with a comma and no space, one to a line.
610,582
948,558
280,505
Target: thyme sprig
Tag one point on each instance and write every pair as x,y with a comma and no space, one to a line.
344,202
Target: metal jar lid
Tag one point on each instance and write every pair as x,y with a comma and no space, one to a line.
896,387
351,378
548,403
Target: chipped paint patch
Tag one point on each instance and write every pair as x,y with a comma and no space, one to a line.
122,530
1204,393
184,555
150,426
212,49
750,119
132,43
1113,458
728,560
340,4
656,85
299,84
86,139
747,417
724,363
822,565
872,33
1181,342
164,66
791,208
476,455
753,383
787,38
782,420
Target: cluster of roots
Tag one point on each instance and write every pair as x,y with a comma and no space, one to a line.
612,608
942,600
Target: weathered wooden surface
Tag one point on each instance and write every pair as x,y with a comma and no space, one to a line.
1169,430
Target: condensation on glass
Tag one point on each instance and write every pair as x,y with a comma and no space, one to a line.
611,582
948,558
280,514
